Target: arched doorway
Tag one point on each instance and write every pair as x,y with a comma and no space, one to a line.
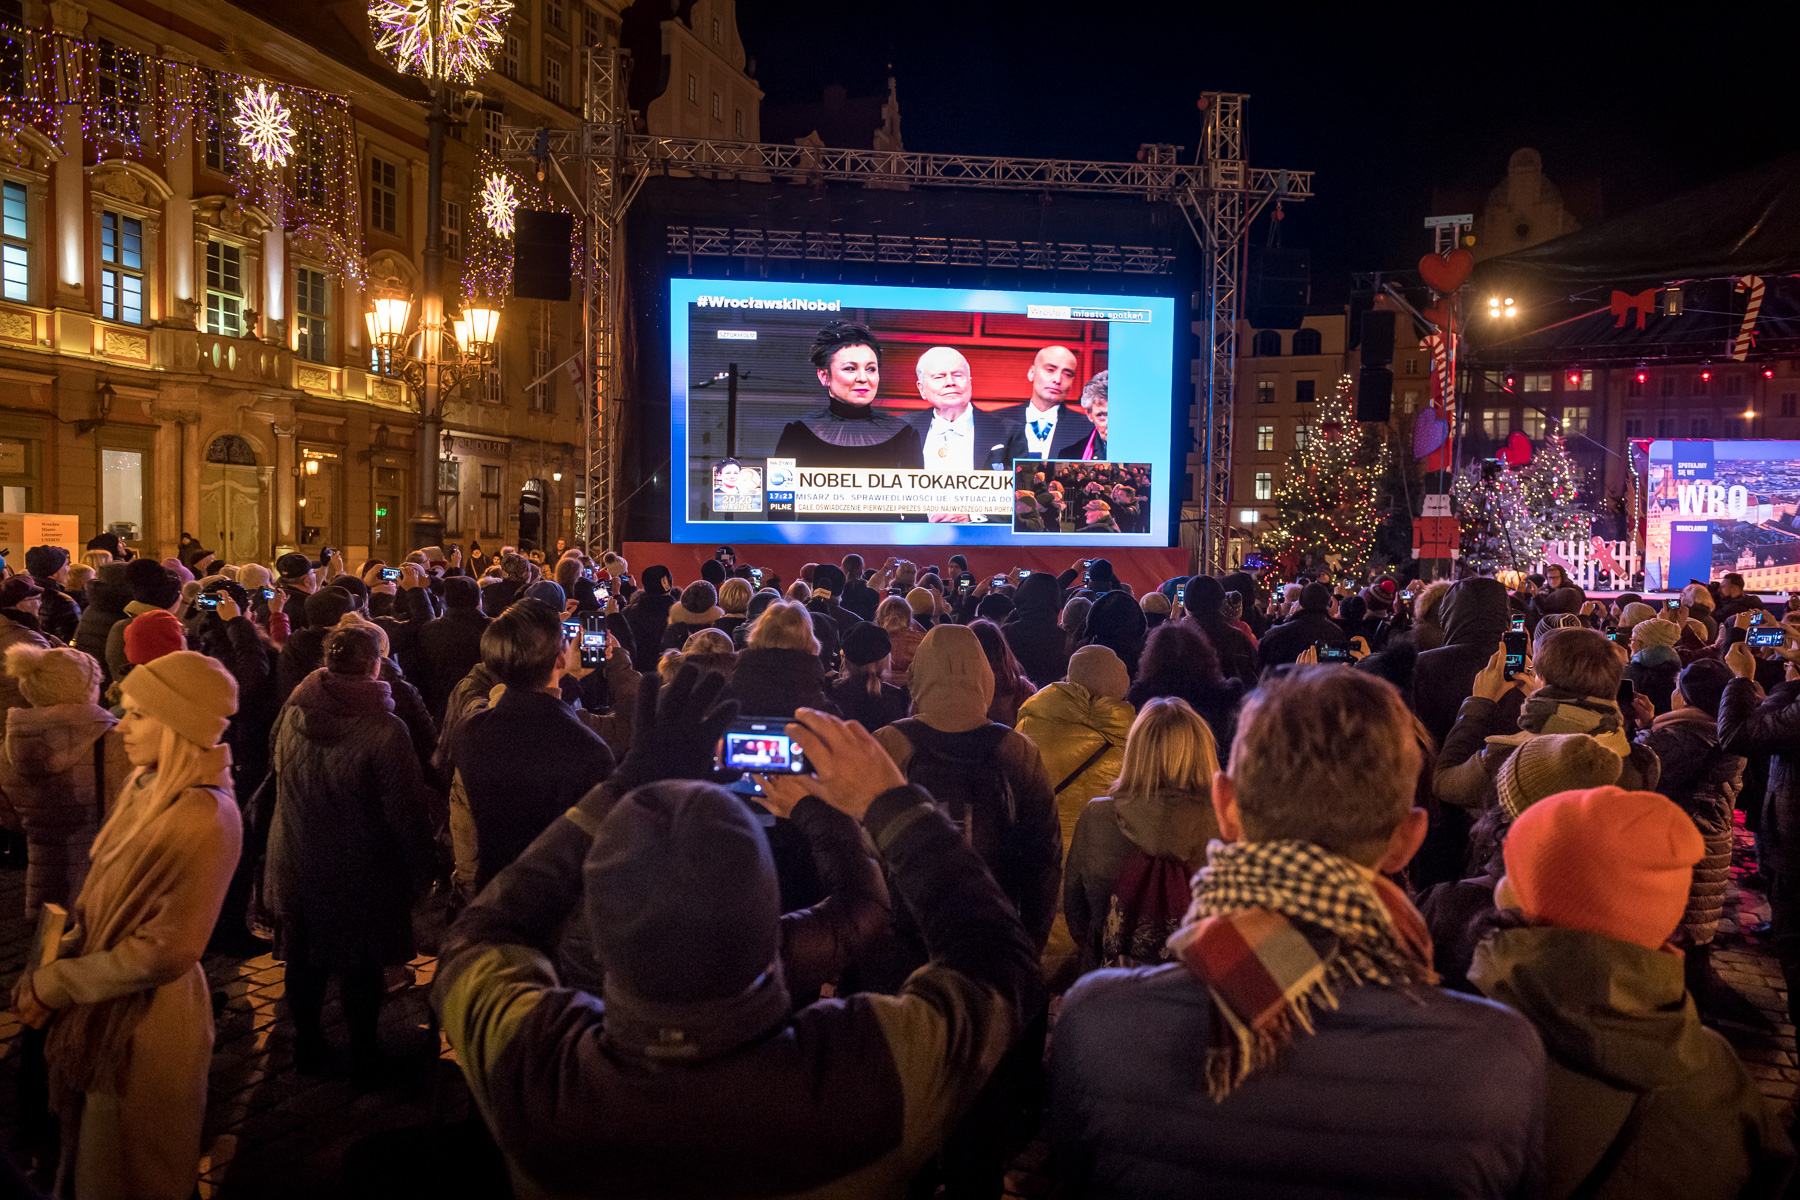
231,494
531,515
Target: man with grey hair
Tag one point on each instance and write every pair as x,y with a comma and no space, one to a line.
1044,423
955,435
1090,444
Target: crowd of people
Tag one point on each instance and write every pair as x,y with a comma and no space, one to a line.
1078,497
1321,887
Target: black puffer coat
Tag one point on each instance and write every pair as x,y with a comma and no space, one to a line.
1033,632
108,595
1704,780
350,832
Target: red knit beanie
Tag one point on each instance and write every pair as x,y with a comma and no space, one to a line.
1606,860
152,635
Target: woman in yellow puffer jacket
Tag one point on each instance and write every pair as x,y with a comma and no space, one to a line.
1079,725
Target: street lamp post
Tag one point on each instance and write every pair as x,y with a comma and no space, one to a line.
443,42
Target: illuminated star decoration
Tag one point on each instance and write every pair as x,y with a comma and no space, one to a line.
265,129
498,200
460,47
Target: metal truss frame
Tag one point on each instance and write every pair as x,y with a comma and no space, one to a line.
1219,193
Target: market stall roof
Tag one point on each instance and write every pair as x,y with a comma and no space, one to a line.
1746,224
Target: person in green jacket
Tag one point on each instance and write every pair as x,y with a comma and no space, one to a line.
1642,1101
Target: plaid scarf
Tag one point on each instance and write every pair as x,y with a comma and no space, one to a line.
1273,928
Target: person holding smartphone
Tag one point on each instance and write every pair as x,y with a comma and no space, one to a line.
1654,662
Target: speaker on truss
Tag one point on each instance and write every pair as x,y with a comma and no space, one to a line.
1378,337
543,246
1279,287
1374,393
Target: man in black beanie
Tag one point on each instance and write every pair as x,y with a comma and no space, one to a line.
829,578
58,614
152,586
304,651
859,597
1312,623
690,1069
451,644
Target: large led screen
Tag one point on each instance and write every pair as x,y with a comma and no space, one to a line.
868,413
1718,506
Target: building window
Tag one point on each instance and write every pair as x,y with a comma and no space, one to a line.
1303,436
1541,382
384,196
122,492
309,314
1307,341
718,109
118,80
222,150
1265,485
224,289
1533,427
450,494
1579,381
693,89
493,132
1265,437
1304,390
122,268
1409,402
1734,427
490,501
15,249
718,31
737,122
1576,417
1734,385
553,12
1787,398
1412,366
1697,427
450,228
1496,422
553,81
509,56
1701,385
1665,427
1265,391
543,395
591,28
1668,386
312,160
1634,427
1634,386
1266,344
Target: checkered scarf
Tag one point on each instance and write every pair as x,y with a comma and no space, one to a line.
1274,927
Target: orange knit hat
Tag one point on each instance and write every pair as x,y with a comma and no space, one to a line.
1606,860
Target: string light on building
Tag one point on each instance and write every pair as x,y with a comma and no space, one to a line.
265,127
498,201
441,39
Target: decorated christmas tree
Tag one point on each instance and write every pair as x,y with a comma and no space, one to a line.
1510,513
1325,505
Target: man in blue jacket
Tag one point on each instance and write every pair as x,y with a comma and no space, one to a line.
1298,1045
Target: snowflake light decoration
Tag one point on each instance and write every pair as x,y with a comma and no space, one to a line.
441,39
498,200
265,128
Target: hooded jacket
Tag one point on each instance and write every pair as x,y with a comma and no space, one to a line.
1163,825
68,763
1037,640
350,833
648,615
108,594
1117,623
448,646
1704,781
1620,1029
1238,655
1069,725
1653,671
1475,615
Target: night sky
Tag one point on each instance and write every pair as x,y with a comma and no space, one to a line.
1644,101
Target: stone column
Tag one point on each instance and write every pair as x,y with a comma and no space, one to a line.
282,493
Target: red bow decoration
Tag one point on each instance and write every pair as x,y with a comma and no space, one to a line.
1622,305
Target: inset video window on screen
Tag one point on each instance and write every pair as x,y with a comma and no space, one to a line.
813,412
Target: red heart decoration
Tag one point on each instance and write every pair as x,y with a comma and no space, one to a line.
1518,450
1430,431
1439,313
1446,273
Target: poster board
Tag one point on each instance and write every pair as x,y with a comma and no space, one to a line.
21,531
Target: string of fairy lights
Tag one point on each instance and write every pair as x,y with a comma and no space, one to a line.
1326,502
288,149
456,42
504,189
1511,513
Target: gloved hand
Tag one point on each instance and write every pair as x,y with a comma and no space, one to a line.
678,728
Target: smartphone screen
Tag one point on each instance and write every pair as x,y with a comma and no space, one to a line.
761,746
593,647
390,573
1516,644
1671,605
1329,653
965,582
1764,638
571,629
1518,624
1181,593
1627,693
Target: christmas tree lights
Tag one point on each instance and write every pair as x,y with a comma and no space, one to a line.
1511,513
1326,503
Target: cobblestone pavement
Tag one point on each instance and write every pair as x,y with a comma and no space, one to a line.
274,1133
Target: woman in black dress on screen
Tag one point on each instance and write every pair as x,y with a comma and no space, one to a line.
848,431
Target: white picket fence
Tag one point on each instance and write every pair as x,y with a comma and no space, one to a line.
1587,566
